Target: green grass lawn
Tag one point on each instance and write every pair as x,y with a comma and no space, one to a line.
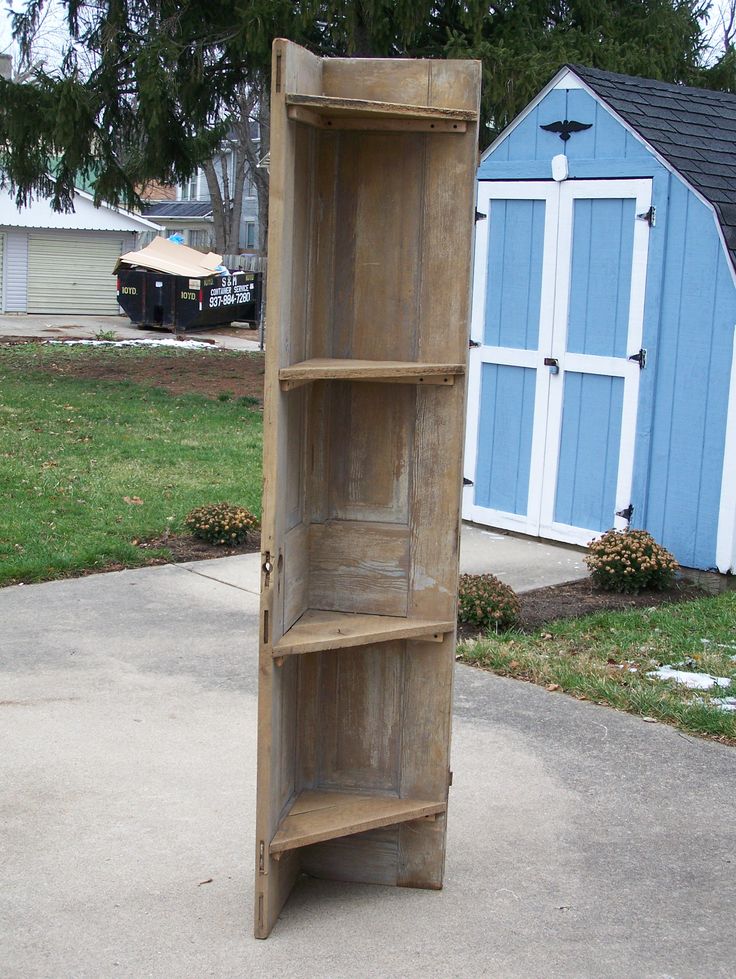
605,658
72,451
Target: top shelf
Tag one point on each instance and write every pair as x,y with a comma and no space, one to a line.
330,112
378,371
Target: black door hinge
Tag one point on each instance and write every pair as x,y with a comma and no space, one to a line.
467,482
649,216
640,358
479,216
473,343
626,513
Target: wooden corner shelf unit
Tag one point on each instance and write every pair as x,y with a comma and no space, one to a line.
371,216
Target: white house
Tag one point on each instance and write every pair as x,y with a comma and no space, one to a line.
62,263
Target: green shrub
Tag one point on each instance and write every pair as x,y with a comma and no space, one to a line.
485,601
629,560
221,523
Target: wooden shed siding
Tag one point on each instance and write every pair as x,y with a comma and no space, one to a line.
606,139
690,311
689,414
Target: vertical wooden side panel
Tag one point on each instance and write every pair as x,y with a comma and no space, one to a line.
323,272
295,577
293,69
449,203
360,732
309,720
387,204
369,477
425,760
449,195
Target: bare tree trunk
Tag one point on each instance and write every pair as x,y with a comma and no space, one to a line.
218,211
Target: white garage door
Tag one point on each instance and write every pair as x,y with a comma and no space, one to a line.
72,273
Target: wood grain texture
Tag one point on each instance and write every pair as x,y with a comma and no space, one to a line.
330,105
362,858
356,567
369,263
295,577
369,477
300,71
319,815
360,718
317,630
410,372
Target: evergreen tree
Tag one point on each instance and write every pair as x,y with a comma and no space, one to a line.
148,88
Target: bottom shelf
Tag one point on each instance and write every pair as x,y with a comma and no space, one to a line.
317,630
318,815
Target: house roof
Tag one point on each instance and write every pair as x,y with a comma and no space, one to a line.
181,210
693,129
84,217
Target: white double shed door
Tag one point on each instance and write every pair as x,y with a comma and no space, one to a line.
558,306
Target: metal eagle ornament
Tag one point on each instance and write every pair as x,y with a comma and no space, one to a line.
566,127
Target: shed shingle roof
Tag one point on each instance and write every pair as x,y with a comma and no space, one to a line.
693,129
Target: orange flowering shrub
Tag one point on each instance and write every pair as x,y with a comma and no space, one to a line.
629,560
221,523
485,601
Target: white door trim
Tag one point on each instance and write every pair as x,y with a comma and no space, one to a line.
554,306
488,191
570,191
726,536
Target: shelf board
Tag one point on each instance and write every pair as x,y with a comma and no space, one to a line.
318,630
331,112
380,371
319,815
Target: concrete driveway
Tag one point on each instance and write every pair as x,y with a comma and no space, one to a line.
582,842
58,327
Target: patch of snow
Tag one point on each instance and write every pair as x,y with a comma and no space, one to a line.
696,681
179,344
725,703
719,645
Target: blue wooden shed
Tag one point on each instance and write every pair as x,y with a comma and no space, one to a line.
602,382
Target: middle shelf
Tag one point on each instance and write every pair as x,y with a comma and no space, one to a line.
381,371
317,815
318,630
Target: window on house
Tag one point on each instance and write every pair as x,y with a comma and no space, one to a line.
250,186
250,234
200,238
189,190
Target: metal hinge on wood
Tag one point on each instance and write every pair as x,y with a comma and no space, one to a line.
640,358
627,513
480,216
261,857
473,343
467,482
649,216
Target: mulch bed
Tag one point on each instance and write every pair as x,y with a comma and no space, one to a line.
576,598
208,372
185,547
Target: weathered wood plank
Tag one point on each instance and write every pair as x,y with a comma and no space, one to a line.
300,71
356,567
317,630
330,105
410,372
318,815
